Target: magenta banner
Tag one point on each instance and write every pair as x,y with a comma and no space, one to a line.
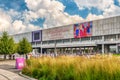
82,30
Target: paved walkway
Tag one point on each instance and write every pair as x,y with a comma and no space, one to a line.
8,71
7,75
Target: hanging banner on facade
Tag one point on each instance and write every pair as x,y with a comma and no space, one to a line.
82,30
36,36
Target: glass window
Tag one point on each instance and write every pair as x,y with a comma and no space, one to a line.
59,41
119,36
36,36
110,37
85,39
96,38
75,39
44,42
66,40
51,42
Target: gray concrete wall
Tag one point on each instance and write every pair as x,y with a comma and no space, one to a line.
27,35
106,26
63,32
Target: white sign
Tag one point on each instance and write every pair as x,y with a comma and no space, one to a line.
63,32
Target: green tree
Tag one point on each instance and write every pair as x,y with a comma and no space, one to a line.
24,47
6,44
12,47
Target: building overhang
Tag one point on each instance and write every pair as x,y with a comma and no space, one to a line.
85,44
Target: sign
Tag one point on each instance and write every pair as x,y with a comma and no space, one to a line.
20,62
36,36
82,30
58,33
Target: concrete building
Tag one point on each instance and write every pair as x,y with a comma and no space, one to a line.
102,36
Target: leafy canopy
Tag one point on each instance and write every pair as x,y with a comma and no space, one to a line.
24,46
6,44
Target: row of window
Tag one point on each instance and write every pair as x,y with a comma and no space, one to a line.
93,38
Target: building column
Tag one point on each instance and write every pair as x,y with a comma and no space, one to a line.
41,47
117,51
116,37
103,51
55,50
71,50
117,48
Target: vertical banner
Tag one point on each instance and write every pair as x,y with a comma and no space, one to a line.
37,36
82,30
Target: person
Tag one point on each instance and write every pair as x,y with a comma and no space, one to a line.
76,31
81,31
84,29
88,29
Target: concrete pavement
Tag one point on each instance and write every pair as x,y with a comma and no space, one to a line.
8,71
7,75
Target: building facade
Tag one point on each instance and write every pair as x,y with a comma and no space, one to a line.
102,36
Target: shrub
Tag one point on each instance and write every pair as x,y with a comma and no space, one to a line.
74,68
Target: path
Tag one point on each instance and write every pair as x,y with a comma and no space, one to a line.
8,71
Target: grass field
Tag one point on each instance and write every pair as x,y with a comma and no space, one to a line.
74,68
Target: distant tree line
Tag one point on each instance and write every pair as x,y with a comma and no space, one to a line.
9,47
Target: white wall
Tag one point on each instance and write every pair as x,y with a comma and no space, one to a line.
27,35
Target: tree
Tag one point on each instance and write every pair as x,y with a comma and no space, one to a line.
6,44
24,47
12,47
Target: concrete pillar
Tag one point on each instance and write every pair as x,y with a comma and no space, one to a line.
55,50
116,37
41,47
90,38
103,51
103,38
117,48
84,51
71,51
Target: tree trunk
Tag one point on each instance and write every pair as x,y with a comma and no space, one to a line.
10,57
4,56
26,56
13,57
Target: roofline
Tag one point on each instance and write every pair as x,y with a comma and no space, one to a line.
70,24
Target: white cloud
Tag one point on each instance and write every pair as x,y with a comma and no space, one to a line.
107,6
100,4
112,11
119,2
93,16
20,27
5,21
13,26
52,11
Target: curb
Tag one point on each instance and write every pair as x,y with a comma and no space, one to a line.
20,73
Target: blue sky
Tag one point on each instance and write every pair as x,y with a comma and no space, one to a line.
36,14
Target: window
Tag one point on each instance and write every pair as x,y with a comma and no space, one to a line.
66,40
36,36
96,38
59,41
44,42
51,42
85,39
110,37
75,39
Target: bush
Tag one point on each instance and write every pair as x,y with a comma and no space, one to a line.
74,68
